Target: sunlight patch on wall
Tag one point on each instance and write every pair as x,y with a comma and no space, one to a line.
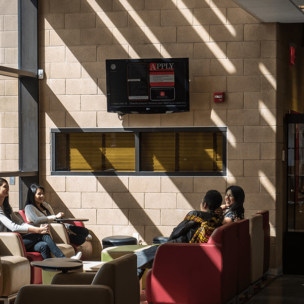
267,184
202,33
267,115
119,37
268,75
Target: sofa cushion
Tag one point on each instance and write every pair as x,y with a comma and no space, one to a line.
66,249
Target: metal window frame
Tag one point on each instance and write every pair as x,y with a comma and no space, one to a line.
28,97
137,132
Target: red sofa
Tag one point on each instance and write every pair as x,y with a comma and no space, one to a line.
196,273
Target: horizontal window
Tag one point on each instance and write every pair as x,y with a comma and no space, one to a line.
95,152
157,151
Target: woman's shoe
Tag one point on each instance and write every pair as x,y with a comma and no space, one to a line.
77,256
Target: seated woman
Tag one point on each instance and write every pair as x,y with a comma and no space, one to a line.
34,238
37,211
233,208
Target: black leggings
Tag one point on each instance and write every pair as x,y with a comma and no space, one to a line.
43,244
81,234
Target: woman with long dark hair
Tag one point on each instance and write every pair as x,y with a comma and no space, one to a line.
234,201
34,238
37,211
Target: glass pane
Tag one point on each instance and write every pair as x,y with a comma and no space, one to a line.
200,152
119,152
295,189
9,33
291,135
291,167
9,152
95,152
158,152
182,152
85,151
62,152
300,135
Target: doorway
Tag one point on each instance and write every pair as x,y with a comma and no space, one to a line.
293,244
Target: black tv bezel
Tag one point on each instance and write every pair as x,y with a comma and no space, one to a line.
154,110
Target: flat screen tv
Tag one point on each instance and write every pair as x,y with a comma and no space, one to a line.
147,86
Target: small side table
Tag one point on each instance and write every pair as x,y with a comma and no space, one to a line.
92,266
50,267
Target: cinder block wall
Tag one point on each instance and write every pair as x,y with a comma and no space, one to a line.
229,51
9,93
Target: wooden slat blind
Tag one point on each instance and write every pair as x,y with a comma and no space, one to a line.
102,151
182,152
158,152
85,151
119,152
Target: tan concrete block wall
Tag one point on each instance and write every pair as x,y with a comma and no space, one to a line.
9,154
228,49
9,33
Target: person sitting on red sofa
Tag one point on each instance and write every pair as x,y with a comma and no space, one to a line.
196,227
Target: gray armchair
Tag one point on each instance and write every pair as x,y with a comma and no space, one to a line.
116,282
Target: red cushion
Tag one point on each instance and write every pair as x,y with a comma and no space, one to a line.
22,213
36,273
76,223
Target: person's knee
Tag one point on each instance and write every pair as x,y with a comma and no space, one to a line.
77,239
43,247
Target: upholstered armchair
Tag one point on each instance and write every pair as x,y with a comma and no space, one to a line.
63,239
15,270
115,282
11,244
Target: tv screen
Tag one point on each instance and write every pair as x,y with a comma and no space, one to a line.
147,85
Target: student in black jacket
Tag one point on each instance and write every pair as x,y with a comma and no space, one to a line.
196,227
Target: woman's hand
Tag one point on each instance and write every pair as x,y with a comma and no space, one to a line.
224,207
219,211
59,215
43,229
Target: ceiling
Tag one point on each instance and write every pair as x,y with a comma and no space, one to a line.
283,11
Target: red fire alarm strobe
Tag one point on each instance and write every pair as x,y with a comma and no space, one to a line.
219,97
